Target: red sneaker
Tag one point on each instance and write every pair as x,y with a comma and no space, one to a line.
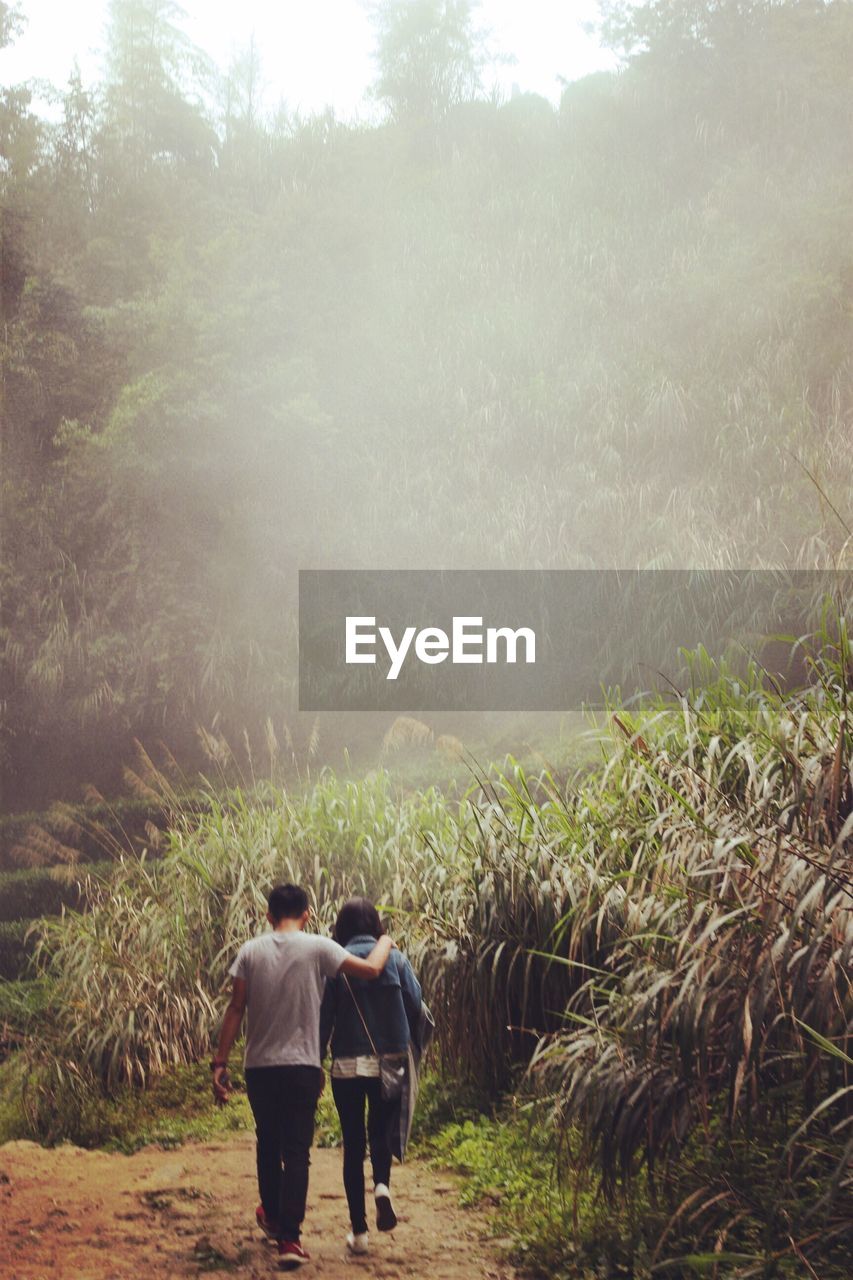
291,1255
269,1228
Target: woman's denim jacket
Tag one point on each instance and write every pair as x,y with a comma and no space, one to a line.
390,1005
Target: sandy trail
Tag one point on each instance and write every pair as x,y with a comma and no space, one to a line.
70,1214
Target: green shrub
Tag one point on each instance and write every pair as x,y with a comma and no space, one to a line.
23,1004
91,832
718,879
39,891
327,1128
178,1106
507,1164
16,948
444,1100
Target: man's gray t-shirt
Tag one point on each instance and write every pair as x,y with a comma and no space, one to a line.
285,974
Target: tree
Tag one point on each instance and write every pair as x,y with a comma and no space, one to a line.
674,27
10,23
19,130
429,56
150,60
244,140
243,88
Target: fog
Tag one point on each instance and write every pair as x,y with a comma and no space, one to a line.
438,326
316,55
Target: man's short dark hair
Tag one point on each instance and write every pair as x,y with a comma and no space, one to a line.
287,902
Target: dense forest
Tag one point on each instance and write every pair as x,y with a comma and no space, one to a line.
479,333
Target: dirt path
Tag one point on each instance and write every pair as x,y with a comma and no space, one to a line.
69,1214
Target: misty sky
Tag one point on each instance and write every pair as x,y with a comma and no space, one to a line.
315,53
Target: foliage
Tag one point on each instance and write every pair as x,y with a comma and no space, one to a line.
679,26
428,57
149,66
674,930
555,1230
327,1129
22,1003
39,892
508,1167
178,1107
10,23
62,839
23,1007
723,1010
15,949
615,333
444,1101
139,976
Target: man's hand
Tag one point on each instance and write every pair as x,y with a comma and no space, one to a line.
222,1086
230,1027
372,966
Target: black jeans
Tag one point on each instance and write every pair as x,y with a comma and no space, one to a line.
283,1102
350,1097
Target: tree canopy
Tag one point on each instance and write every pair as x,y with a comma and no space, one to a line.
613,333
429,56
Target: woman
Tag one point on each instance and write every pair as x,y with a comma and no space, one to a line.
364,1020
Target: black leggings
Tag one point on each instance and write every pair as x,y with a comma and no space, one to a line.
350,1096
283,1102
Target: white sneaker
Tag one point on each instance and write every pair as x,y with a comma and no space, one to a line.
386,1218
357,1243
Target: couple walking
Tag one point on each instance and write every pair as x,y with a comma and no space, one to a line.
301,991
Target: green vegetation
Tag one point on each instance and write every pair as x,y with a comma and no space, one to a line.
661,947
91,830
15,948
22,1003
507,1163
177,1107
496,334
617,332
556,1229
39,892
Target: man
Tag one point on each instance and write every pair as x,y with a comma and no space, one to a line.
279,978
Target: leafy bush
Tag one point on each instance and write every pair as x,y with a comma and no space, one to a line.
23,1005
445,1100
507,1163
68,835
16,948
178,1106
636,309
41,891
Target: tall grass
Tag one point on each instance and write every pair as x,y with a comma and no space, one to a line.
664,943
721,832
138,977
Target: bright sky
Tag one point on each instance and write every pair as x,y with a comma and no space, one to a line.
315,52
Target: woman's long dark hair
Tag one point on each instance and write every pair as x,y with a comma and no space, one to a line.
356,918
